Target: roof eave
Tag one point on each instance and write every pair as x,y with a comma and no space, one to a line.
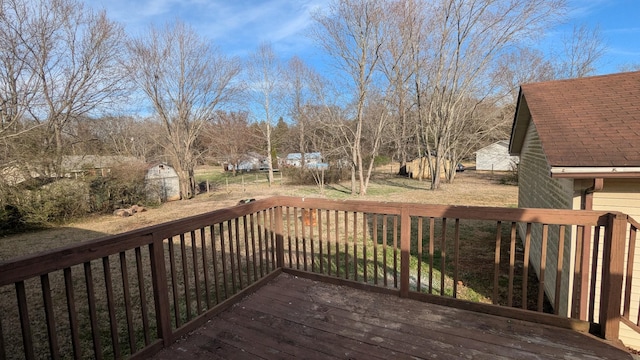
520,124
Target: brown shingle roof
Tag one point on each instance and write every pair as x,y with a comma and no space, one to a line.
587,122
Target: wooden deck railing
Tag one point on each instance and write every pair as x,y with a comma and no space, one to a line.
131,294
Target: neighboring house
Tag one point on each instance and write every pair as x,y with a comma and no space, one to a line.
310,159
250,162
162,183
496,157
579,147
79,165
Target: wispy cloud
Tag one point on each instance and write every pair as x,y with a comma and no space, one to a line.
237,26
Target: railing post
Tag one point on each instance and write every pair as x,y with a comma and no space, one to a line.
160,290
612,274
405,247
279,237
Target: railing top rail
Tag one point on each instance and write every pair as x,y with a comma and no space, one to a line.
37,264
32,265
545,216
633,222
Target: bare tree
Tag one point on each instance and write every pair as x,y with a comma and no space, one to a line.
465,41
581,52
298,77
351,34
59,62
266,84
404,22
186,80
227,137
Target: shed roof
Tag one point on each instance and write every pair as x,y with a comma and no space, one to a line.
585,122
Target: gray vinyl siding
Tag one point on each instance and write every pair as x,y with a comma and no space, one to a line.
538,190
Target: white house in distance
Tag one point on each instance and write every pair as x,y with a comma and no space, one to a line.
496,157
311,159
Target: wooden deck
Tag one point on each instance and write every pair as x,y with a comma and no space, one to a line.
293,317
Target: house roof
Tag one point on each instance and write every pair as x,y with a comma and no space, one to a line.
298,156
78,162
591,122
495,145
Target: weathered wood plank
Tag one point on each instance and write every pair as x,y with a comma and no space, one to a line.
292,317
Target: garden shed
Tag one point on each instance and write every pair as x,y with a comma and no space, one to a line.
162,183
579,147
496,157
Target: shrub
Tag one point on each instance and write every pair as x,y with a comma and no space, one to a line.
27,207
123,187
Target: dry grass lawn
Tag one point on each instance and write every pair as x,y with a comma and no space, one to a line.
469,188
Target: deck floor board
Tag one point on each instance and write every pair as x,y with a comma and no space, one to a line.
293,317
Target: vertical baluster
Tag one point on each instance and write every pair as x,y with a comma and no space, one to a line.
320,241
374,227
127,301
312,240
346,245
496,263
289,242
234,287
73,314
196,273
543,266
25,323
456,257
49,317
629,275
443,255
579,297
205,266
304,240
185,276
115,342
594,273
236,223
525,265
272,236
355,246
384,249
364,247
512,263
91,299
260,247
296,237
143,297
253,246
214,259
432,234
419,250
395,251
174,284
246,248
337,239
556,303
223,254
328,227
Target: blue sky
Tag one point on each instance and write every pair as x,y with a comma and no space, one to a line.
239,26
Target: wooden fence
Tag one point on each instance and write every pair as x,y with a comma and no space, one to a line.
130,295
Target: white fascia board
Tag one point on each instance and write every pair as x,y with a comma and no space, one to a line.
558,170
